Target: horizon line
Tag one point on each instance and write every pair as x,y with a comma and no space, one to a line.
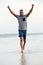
15,34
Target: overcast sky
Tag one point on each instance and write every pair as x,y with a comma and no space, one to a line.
9,24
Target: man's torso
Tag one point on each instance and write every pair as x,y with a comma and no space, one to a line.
22,22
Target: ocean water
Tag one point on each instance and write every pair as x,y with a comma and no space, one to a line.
10,50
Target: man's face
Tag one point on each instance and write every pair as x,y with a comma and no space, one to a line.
21,12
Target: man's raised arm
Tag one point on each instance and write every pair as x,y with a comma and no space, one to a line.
30,11
11,11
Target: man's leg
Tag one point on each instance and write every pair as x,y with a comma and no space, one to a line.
24,43
21,44
24,38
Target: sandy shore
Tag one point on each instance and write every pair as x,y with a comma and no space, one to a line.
10,51
16,58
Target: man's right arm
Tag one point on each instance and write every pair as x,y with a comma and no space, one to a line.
11,11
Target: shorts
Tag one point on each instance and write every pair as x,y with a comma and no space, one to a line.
22,33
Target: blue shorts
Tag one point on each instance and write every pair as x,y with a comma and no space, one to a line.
22,33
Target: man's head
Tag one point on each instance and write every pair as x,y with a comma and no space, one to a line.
21,12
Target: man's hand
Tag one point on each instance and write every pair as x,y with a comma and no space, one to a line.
8,7
32,5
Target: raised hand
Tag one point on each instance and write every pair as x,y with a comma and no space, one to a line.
8,7
32,5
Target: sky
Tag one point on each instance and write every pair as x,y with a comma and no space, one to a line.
9,24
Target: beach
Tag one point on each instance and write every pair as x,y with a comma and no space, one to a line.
10,50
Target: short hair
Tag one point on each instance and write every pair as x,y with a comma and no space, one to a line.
21,9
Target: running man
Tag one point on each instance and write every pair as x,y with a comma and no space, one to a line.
22,25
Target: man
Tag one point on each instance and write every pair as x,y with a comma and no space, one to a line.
22,25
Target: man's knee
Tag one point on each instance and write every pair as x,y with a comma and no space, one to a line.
24,40
21,39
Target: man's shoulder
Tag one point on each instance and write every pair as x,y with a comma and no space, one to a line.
25,16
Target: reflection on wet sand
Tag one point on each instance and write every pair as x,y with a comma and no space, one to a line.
23,59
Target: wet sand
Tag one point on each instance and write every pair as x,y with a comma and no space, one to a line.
16,58
10,51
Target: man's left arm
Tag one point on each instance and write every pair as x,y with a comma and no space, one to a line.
30,10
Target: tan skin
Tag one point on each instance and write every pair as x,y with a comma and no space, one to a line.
21,13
